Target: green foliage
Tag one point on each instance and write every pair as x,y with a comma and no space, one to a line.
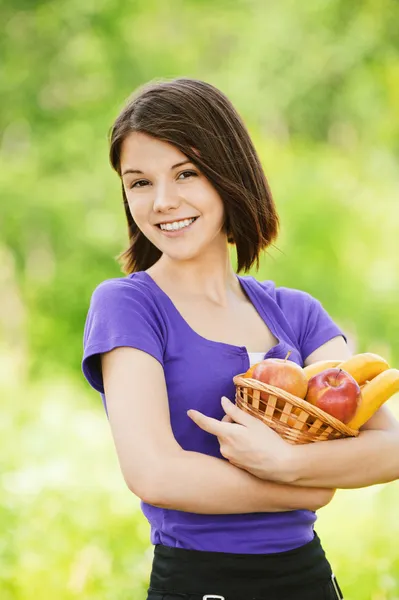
318,85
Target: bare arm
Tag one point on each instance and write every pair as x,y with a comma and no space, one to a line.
159,471
369,459
336,348
195,482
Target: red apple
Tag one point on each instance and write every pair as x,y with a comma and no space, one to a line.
282,373
336,392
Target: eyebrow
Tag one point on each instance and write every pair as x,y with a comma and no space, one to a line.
184,162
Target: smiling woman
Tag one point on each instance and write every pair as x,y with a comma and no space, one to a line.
230,504
156,135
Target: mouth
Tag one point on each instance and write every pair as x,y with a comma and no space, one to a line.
176,226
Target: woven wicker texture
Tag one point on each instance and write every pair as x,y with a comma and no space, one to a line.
296,420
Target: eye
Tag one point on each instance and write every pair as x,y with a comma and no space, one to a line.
136,183
188,173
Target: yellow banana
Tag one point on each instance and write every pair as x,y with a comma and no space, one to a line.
374,394
364,366
319,366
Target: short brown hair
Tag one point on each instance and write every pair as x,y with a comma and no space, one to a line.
201,122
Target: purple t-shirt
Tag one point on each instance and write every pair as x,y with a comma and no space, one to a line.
134,311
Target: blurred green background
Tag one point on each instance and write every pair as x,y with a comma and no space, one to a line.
318,85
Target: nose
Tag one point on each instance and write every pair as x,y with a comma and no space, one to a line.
166,198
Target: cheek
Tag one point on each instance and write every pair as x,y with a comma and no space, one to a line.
212,203
217,206
138,211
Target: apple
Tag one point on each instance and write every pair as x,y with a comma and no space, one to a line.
282,373
336,392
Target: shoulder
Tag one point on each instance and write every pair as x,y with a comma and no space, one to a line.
130,286
298,306
308,319
286,298
131,292
125,303
122,312
295,300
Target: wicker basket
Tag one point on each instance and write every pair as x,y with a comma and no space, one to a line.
294,419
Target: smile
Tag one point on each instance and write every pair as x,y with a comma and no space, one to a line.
176,225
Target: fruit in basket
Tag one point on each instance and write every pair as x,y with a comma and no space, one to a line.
319,366
367,383
250,371
282,373
336,392
374,394
364,367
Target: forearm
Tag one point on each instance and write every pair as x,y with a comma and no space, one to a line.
369,459
194,482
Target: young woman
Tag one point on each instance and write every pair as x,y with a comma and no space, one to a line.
230,504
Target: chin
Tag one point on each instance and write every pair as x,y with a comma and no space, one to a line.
181,256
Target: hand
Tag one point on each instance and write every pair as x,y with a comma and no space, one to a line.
248,443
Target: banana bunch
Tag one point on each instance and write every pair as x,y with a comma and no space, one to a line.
377,381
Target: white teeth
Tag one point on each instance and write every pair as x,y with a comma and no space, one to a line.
177,225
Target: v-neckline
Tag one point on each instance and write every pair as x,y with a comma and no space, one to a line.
267,318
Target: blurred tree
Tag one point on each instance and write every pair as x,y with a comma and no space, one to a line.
317,83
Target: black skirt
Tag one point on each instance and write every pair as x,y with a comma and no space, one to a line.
301,574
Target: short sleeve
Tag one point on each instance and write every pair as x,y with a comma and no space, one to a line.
121,313
310,321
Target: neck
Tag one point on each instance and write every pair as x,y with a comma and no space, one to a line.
211,278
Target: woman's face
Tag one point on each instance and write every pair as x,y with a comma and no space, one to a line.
163,188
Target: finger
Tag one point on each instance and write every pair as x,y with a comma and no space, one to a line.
208,424
238,415
227,419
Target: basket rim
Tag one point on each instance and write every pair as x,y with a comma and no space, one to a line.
255,384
